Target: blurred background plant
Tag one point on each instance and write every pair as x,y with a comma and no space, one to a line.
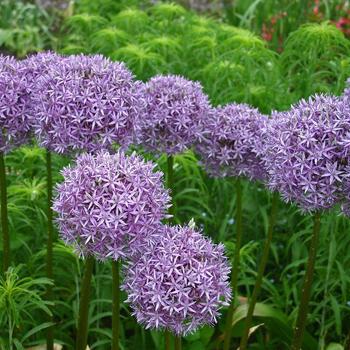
26,27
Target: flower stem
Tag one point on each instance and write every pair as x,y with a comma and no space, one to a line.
170,184
177,342
167,337
261,270
4,215
115,305
306,291
49,253
83,323
235,269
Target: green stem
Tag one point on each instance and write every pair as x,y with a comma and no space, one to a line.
4,215
83,321
115,305
235,269
260,275
306,291
177,342
49,254
167,340
170,184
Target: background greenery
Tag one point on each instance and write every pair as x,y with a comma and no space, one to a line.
225,50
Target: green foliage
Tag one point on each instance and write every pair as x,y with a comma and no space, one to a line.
108,39
131,20
314,60
24,28
20,302
143,62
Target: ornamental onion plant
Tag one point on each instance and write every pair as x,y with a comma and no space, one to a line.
35,67
108,207
15,124
179,282
173,118
232,147
83,103
306,157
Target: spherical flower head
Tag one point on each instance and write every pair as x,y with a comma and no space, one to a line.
86,103
233,142
179,282
110,205
15,120
174,113
307,150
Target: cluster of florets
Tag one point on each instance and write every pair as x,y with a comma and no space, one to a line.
180,282
174,112
86,103
307,152
110,205
15,120
232,145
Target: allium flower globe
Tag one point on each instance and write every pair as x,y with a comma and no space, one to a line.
174,113
109,205
86,103
307,152
233,143
15,121
180,282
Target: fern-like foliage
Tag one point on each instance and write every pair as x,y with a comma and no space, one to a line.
108,39
144,63
169,48
84,24
314,59
131,20
245,75
167,11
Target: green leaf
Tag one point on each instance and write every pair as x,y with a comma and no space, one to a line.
276,322
37,329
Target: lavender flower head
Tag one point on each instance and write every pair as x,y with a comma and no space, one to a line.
307,152
15,120
180,282
86,103
109,205
174,111
233,142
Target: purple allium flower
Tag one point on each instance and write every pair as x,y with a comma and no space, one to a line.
175,109
180,281
109,205
39,64
233,145
307,152
15,120
86,103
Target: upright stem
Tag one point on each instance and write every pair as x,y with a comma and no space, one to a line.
49,254
115,305
261,270
235,269
177,342
306,291
167,336
170,183
4,215
83,321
